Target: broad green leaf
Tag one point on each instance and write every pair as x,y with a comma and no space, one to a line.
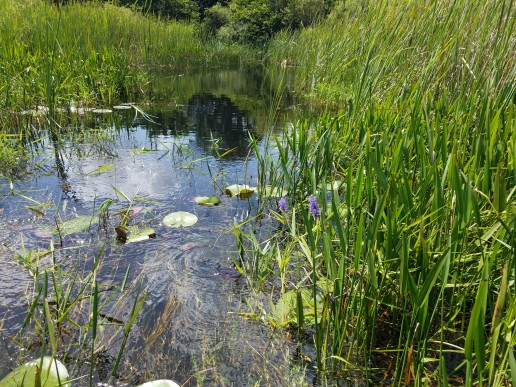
273,192
74,225
180,218
51,373
207,200
242,191
284,312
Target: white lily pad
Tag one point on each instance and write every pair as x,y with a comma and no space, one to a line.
243,191
122,107
102,111
51,373
180,219
207,200
273,192
160,383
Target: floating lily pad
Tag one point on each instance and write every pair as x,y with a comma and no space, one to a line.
122,107
75,225
102,111
180,218
243,191
273,192
51,373
137,234
160,383
207,200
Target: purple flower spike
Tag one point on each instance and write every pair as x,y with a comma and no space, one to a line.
282,204
314,206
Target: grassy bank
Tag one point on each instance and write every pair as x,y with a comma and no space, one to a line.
402,264
91,53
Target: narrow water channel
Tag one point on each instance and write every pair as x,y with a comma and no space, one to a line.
194,142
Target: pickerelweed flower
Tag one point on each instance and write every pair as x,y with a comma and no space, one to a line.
314,206
282,204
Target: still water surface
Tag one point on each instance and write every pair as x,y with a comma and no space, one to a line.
188,329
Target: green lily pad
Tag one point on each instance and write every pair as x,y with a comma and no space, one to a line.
273,192
75,225
51,373
207,200
243,191
138,234
180,219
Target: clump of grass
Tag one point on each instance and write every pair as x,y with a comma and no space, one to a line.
411,263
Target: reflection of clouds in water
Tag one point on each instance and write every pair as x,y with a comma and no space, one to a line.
133,175
139,169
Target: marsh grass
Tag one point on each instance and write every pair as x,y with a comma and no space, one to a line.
412,261
91,53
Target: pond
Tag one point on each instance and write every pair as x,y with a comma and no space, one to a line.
140,165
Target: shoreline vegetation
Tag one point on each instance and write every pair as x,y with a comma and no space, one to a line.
412,260
393,247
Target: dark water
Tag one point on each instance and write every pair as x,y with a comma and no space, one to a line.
189,328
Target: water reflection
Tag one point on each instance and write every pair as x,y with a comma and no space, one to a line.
219,125
186,322
218,122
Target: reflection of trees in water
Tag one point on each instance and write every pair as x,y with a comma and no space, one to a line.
169,123
217,117
209,117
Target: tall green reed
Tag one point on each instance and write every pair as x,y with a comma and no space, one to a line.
418,241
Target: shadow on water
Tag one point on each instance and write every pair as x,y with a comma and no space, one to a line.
189,329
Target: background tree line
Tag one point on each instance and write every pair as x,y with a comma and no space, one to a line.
235,21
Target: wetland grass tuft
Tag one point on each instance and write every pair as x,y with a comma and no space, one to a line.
412,261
